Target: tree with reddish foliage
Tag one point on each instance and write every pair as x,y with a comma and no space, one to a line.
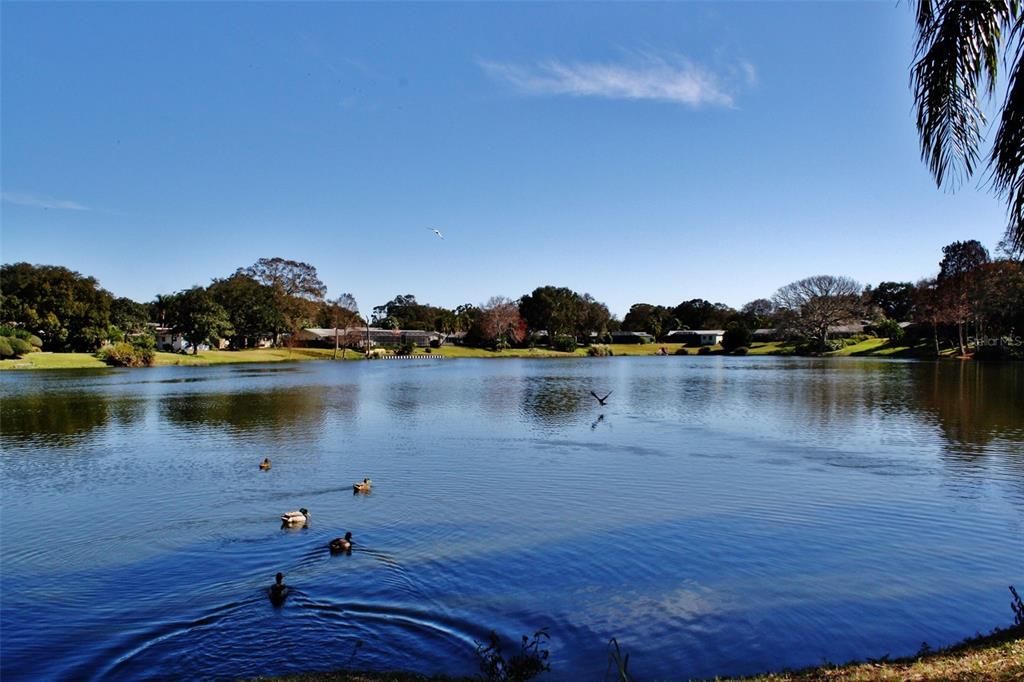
498,324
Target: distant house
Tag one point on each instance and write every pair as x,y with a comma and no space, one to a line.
696,337
850,329
631,337
360,337
766,334
166,339
456,338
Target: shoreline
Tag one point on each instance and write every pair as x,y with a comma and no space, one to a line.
996,657
871,348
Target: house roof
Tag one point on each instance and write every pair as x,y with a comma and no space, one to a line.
855,328
702,332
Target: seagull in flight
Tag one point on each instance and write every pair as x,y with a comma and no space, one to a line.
599,398
436,231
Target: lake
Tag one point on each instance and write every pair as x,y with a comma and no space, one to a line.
718,516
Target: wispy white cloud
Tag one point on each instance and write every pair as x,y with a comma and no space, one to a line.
20,199
644,76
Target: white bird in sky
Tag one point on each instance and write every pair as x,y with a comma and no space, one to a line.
436,231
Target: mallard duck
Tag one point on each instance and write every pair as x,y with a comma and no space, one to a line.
296,517
265,464
341,544
363,487
278,591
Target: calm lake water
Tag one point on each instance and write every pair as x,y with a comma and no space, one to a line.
718,516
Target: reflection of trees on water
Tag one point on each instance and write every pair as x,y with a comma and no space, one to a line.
974,403
406,398
62,419
552,400
278,410
497,395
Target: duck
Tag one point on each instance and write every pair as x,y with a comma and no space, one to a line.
296,517
341,544
265,464
278,591
363,487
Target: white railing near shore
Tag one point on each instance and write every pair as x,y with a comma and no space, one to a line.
424,356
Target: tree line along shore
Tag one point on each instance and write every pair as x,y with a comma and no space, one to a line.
973,307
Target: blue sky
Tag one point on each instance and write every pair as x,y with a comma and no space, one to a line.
638,152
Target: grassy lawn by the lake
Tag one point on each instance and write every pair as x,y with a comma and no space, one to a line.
208,357
869,348
54,361
618,349
223,357
771,348
866,347
467,352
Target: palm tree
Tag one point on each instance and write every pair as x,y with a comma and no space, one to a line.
960,46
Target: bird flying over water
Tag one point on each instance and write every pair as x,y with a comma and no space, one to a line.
600,399
436,231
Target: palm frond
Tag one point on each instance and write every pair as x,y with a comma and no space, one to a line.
1007,157
925,14
958,49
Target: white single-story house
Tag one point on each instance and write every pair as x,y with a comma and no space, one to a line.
166,339
700,337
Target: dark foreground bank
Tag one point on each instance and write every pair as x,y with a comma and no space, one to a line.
998,657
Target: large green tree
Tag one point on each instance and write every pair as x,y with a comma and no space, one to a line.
961,45
251,307
405,312
652,319
700,314
128,316
68,311
194,314
297,289
895,299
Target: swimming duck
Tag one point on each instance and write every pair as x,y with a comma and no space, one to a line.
296,517
278,591
341,544
363,487
265,464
